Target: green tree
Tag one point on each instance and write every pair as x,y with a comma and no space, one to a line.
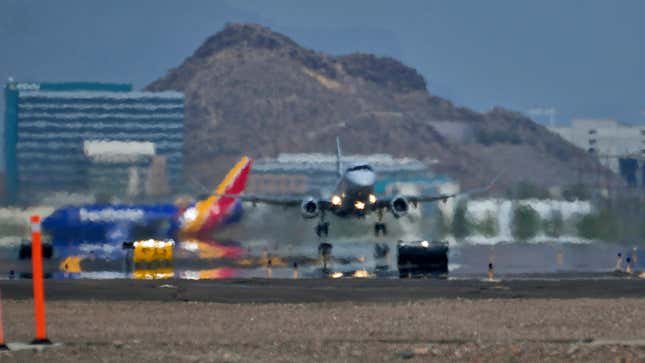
461,226
526,222
554,224
488,226
600,226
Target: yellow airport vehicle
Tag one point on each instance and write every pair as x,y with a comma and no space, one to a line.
152,250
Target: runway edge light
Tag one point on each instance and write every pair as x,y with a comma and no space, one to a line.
491,271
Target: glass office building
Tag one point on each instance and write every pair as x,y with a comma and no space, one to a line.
47,125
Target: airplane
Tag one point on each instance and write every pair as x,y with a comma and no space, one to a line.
353,197
110,224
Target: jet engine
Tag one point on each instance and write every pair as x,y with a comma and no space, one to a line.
399,206
309,208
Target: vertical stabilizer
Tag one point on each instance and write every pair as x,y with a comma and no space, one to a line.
208,213
339,165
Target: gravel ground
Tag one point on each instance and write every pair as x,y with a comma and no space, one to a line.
438,330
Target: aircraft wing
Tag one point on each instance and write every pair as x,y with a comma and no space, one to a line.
415,199
285,201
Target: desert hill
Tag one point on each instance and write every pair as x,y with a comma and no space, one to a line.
252,91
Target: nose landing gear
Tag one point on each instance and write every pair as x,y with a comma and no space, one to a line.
380,227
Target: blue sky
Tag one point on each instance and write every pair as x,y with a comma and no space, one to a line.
583,58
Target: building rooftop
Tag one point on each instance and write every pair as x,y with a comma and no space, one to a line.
69,86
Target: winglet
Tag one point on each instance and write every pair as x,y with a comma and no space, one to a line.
494,181
339,165
484,189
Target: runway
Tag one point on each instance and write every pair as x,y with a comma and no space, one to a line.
598,286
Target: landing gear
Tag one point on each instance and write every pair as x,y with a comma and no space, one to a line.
381,250
324,250
25,251
380,226
322,229
381,263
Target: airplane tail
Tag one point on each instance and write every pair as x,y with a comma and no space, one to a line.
339,165
209,212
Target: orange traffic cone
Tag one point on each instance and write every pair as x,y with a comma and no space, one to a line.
37,280
3,346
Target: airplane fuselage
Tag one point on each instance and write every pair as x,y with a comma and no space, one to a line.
354,193
118,223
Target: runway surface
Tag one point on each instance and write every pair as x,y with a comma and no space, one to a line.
601,286
591,317
250,259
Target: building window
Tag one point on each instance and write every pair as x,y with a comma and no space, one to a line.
592,132
591,150
592,141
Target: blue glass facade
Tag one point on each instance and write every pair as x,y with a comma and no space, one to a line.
47,124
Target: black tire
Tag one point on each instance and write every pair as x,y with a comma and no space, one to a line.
48,251
381,250
380,227
322,229
25,252
324,249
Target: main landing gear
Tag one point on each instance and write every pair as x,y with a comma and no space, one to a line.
25,251
380,227
324,248
322,229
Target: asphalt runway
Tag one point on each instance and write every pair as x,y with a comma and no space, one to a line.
327,290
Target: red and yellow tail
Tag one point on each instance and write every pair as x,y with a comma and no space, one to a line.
208,213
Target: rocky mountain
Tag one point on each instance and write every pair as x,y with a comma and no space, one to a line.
252,91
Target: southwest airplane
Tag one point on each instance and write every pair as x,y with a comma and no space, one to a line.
120,223
353,198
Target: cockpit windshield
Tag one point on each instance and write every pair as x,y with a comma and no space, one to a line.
360,167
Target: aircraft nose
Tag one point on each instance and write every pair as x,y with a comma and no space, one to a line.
361,178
